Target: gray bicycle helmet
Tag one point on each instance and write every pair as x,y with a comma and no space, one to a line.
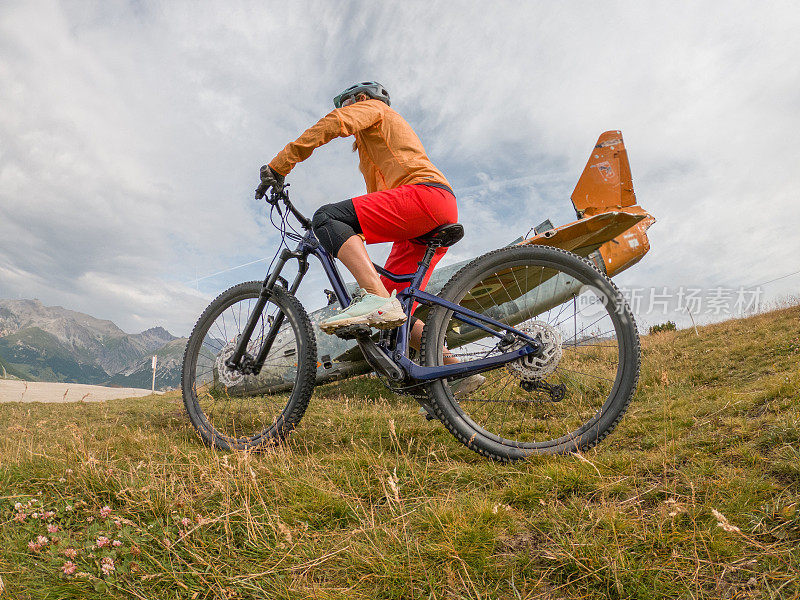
373,89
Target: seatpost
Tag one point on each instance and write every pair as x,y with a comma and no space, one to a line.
430,251
424,265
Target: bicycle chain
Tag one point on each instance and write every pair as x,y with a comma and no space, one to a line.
484,354
507,401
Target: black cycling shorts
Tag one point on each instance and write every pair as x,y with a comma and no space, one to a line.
334,224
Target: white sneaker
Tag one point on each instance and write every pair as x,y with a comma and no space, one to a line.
368,309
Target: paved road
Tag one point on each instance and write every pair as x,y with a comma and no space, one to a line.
29,391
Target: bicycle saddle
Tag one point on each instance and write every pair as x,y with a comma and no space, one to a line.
443,236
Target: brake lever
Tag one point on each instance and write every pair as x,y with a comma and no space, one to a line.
275,196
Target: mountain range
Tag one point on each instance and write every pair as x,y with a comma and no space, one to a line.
51,343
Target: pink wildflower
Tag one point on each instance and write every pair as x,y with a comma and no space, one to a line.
89,519
52,528
181,533
20,516
47,514
18,506
118,524
102,541
105,511
107,565
69,567
166,542
35,515
116,543
70,553
37,544
186,521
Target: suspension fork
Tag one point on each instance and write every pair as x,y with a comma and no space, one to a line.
254,367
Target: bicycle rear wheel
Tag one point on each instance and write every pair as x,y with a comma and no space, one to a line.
575,393
231,410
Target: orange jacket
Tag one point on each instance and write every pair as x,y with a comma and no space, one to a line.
389,151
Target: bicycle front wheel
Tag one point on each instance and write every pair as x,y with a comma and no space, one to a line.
566,400
232,410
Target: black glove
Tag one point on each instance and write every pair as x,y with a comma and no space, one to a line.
269,179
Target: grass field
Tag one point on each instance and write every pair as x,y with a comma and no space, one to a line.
695,495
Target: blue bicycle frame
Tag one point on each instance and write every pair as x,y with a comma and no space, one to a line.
389,359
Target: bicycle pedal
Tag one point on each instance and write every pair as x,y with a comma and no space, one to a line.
353,332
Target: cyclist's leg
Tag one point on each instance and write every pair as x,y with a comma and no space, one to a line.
395,215
353,255
392,215
337,229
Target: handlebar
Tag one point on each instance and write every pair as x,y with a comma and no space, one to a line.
276,196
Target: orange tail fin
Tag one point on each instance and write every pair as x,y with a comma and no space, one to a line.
606,182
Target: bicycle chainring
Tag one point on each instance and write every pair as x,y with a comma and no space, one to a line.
531,368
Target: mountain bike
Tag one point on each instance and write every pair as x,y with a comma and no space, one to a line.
552,335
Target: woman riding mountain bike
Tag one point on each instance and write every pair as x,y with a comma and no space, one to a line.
407,197
526,350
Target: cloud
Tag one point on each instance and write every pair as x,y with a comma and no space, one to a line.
131,133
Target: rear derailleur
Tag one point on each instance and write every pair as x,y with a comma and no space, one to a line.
556,392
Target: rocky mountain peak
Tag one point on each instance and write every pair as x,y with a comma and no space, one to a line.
159,332
83,338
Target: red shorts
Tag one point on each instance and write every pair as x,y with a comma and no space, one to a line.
398,216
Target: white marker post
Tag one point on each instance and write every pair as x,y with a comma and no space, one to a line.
691,316
155,360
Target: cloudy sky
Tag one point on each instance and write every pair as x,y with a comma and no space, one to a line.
131,134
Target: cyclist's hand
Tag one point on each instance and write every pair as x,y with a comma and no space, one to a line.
269,179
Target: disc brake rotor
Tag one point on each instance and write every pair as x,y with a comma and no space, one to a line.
227,376
530,367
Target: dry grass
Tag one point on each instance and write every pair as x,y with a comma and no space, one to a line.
695,495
